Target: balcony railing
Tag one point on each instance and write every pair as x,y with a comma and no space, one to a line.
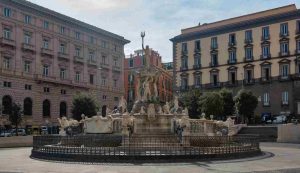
7,42
45,51
265,80
297,51
63,55
28,47
282,35
184,52
233,61
264,57
231,83
92,62
248,59
184,88
248,41
197,66
231,44
296,76
184,68
116,68
198,86
284,78
215,64
284,53
197,50
264,38
248,82
215,85
212,47
104,66
78,59
284,103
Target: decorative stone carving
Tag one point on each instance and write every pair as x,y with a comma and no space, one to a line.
166,108
98,124
142,110
122,105
151,112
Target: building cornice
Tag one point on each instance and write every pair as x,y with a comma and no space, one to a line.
47,13
243,25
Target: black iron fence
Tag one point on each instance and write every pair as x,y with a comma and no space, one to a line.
111,148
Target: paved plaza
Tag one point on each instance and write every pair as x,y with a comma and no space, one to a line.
278,158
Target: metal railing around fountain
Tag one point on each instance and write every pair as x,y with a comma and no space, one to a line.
114,148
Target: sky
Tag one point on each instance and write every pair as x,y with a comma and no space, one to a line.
160,19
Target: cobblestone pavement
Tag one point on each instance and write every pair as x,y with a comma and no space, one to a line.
279,158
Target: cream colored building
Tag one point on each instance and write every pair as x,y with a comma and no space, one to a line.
259,51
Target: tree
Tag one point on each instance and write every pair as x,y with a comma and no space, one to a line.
211,104
245,103
84,104
228,102
191,101
15,116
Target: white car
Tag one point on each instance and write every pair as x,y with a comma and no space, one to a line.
44,130
5,134
279,119
21,132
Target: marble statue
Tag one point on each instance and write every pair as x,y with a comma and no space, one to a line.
151,111
166,108
98,124
159,110
108,111
147,91
142,111
185,112
65,123
176,106
122,105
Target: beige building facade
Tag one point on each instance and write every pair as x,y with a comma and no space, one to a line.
259,51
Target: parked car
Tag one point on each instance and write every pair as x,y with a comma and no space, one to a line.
278,119
6,134
21,132
44,130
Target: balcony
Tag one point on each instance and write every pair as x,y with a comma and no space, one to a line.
297,51
264,80
197,66
197,50
184,68
78,59
265,38
28,47
231,83
231,44
248,81
283,54
249,59
46,52
215,85
284,103
248,41
7,42
63,55
116,68
284,78
92,62
215,64
198,86
184,88
296,76
233,61
297,32
213,47
283,35
184,52
265,57
104,66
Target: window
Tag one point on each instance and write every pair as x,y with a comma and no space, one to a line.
284,48
6,105
298,46
91,56
46,108
103,81
77,76
7,33
232,39
197,61
116,99
131,62
184,47
215,79
184,83
232,56
45,70
63,109
131,78
27,104
6,63
249,53
62,30
46,89
115,48
249,76
284,71
115,83
46,43
115,62
214,59
184,63
92,39
197,80
284,31
298,26
232,75
265,33
266,73
63,92
103,44
62,73
46,24
248,36
285,98
77,51
266,101
27,66
91,79
27,19
7,12
104,97
103,60
27,38
62,48
7,84
28,87
266,51
77,35
197,45
214,43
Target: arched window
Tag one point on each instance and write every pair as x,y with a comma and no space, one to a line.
46,108
104,110
6,104
27,106
63,109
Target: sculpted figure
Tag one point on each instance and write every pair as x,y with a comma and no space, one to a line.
138,90
108,111
147,92
151,111
166,108
142,110
122,105
185,112
159,111
176,106
63,122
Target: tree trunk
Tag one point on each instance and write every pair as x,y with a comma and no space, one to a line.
17,130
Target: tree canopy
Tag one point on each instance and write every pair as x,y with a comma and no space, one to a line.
246,103
15,116
211,104
84,104
191,100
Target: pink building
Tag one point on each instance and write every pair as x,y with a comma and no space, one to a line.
47,58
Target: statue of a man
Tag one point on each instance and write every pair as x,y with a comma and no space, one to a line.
138,90
176,106
123,105
147,91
